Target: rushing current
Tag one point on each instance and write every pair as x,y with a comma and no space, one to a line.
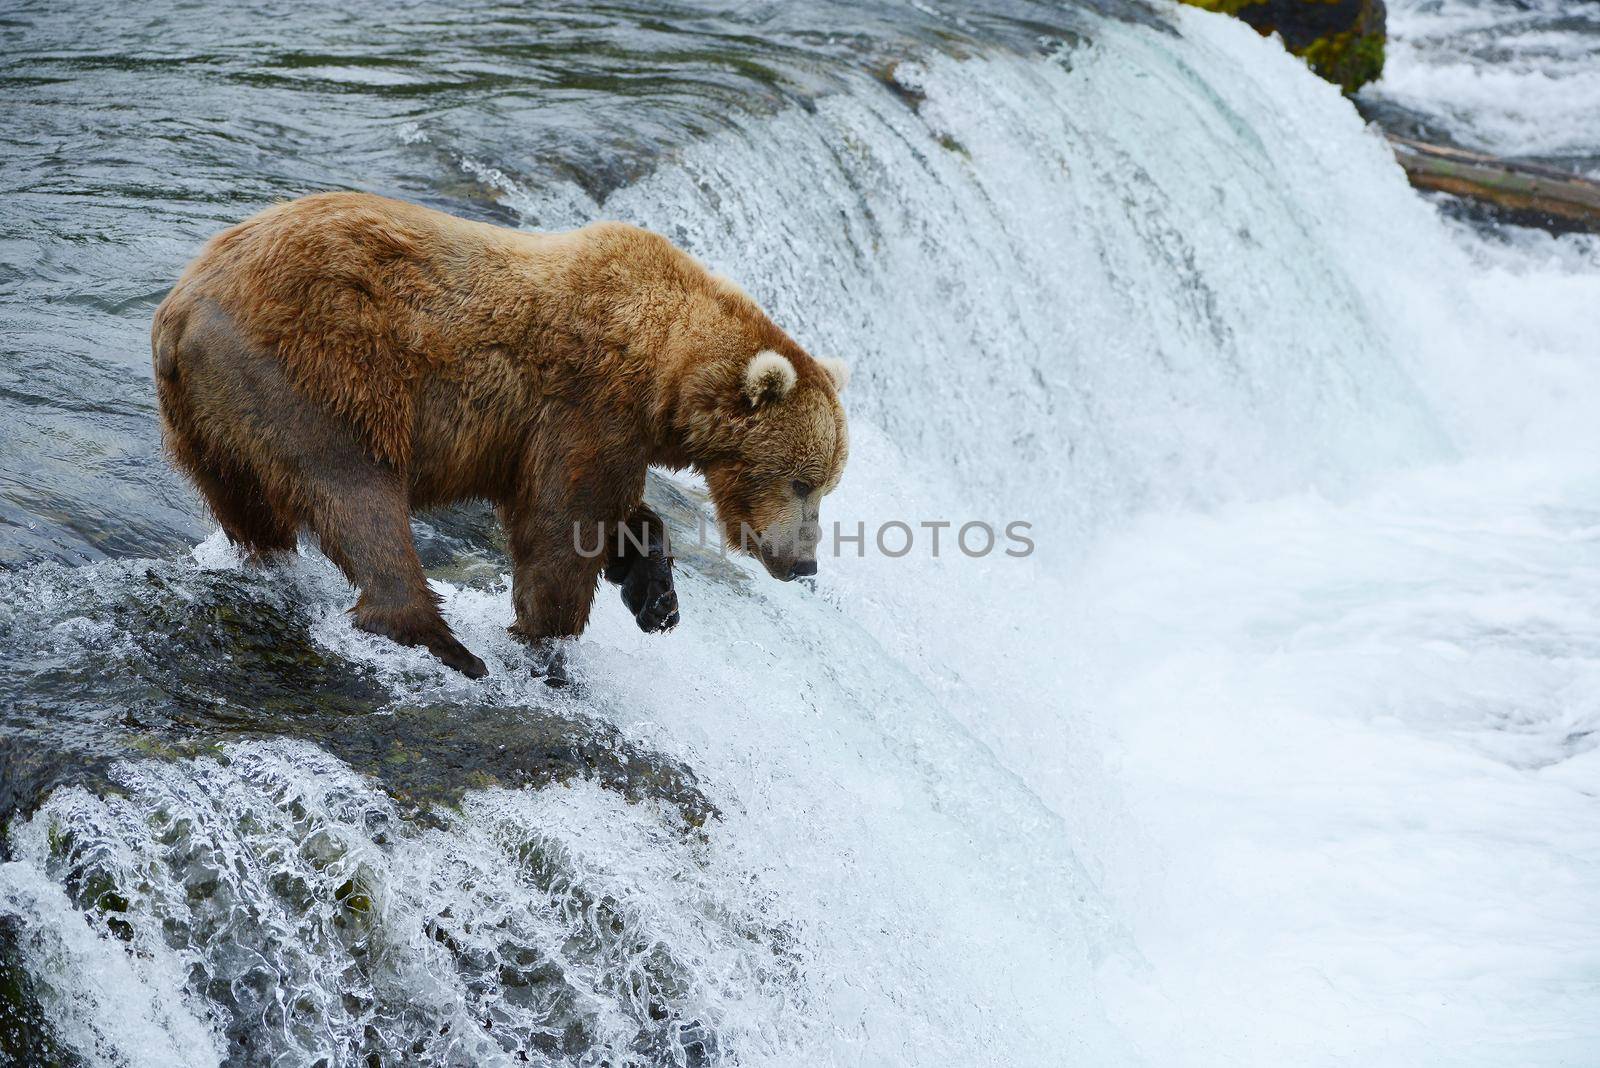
1280,747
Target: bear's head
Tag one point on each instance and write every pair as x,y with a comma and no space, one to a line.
772,443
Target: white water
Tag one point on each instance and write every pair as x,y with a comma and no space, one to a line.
1279,750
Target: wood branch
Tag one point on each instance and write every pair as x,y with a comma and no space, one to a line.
1527,192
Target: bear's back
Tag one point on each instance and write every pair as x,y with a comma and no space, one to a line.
363,299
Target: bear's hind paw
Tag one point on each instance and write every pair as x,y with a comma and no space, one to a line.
424,628
458,656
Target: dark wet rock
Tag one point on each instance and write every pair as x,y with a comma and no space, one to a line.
30,772
429,755
183,661
26,1037
463,544
696,542
1342,40
530,965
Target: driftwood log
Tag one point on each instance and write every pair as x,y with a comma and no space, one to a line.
1524,193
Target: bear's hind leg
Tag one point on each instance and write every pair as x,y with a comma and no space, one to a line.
364,525
233,493
223,394
239,502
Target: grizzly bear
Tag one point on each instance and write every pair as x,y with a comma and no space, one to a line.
339,361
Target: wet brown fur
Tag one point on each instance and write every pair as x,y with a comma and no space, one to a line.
340,360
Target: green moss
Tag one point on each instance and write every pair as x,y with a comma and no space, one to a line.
175,748
1348,60
1341,40
60,841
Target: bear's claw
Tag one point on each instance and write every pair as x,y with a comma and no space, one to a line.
463,661
413,625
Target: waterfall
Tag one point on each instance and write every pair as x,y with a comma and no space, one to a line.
1159,295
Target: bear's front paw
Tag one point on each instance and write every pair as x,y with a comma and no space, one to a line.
642,566
647,591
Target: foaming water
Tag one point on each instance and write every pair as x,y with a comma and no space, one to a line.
1361,738
288,888
1250,761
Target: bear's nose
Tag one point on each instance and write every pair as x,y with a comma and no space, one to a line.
802,568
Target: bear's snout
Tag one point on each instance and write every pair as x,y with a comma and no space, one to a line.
789,570
789,549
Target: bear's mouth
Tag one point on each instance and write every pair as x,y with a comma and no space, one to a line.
782,568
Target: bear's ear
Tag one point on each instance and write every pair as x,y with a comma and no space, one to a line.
837,370
768,377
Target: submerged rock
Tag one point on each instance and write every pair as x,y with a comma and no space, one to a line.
25,1033
180,662
1342,40
310,916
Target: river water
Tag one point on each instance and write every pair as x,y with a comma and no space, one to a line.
1280,748
1516,78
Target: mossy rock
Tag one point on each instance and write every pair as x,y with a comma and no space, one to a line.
1342,40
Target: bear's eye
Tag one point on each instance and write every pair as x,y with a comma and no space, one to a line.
802,488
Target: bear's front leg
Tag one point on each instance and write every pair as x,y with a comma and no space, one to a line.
552,583
639,559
